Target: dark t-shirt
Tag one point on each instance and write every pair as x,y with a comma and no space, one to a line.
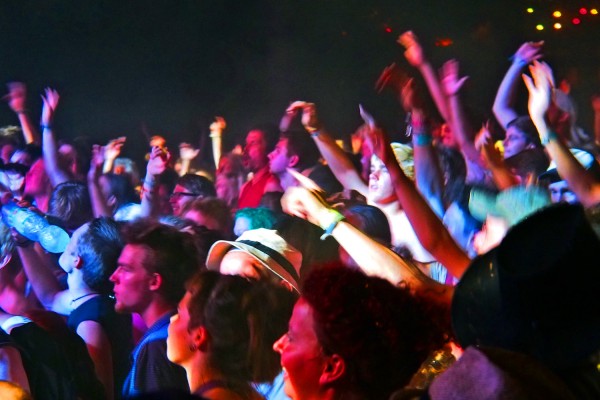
52,370
101,309
151,370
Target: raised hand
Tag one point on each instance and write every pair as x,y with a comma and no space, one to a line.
159,161
310,120
96,162
529,52
391,76
218,125
414,51
187,152
16,96
113,148
305,204
286,119
50,99
540,86
486,146
449,78
375,139
410,98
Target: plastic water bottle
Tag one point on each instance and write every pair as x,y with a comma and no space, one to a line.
53,239
15,216
35,227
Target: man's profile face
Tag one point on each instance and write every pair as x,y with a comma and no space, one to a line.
278,158
132,281
255,151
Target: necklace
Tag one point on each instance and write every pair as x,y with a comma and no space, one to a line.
83,296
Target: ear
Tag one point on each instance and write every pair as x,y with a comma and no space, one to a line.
333,370
155,281
293,161
78,262
199,338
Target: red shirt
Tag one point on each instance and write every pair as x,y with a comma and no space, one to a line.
253,190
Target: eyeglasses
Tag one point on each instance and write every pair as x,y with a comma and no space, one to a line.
176,195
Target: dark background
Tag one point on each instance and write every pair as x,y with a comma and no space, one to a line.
173,65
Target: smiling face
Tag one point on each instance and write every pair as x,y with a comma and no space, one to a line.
381,190
180,198
132,280
302,357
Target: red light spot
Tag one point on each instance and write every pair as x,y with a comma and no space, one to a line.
444,42
388,29
576,21
583,11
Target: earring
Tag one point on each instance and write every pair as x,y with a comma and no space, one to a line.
193,347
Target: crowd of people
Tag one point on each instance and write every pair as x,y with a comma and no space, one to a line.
460,265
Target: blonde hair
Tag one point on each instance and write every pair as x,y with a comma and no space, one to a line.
405,157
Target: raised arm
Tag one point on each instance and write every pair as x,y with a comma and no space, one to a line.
99,202
336,158
17,101
216,136
504,102
581,181
415,56
111,152
49,145
186,153
372,257
430,230
503,178
158,163
43,281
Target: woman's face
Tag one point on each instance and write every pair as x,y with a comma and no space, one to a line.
302,357
381,190
179,341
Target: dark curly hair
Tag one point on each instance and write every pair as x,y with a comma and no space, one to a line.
382,332
243,319
99,247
